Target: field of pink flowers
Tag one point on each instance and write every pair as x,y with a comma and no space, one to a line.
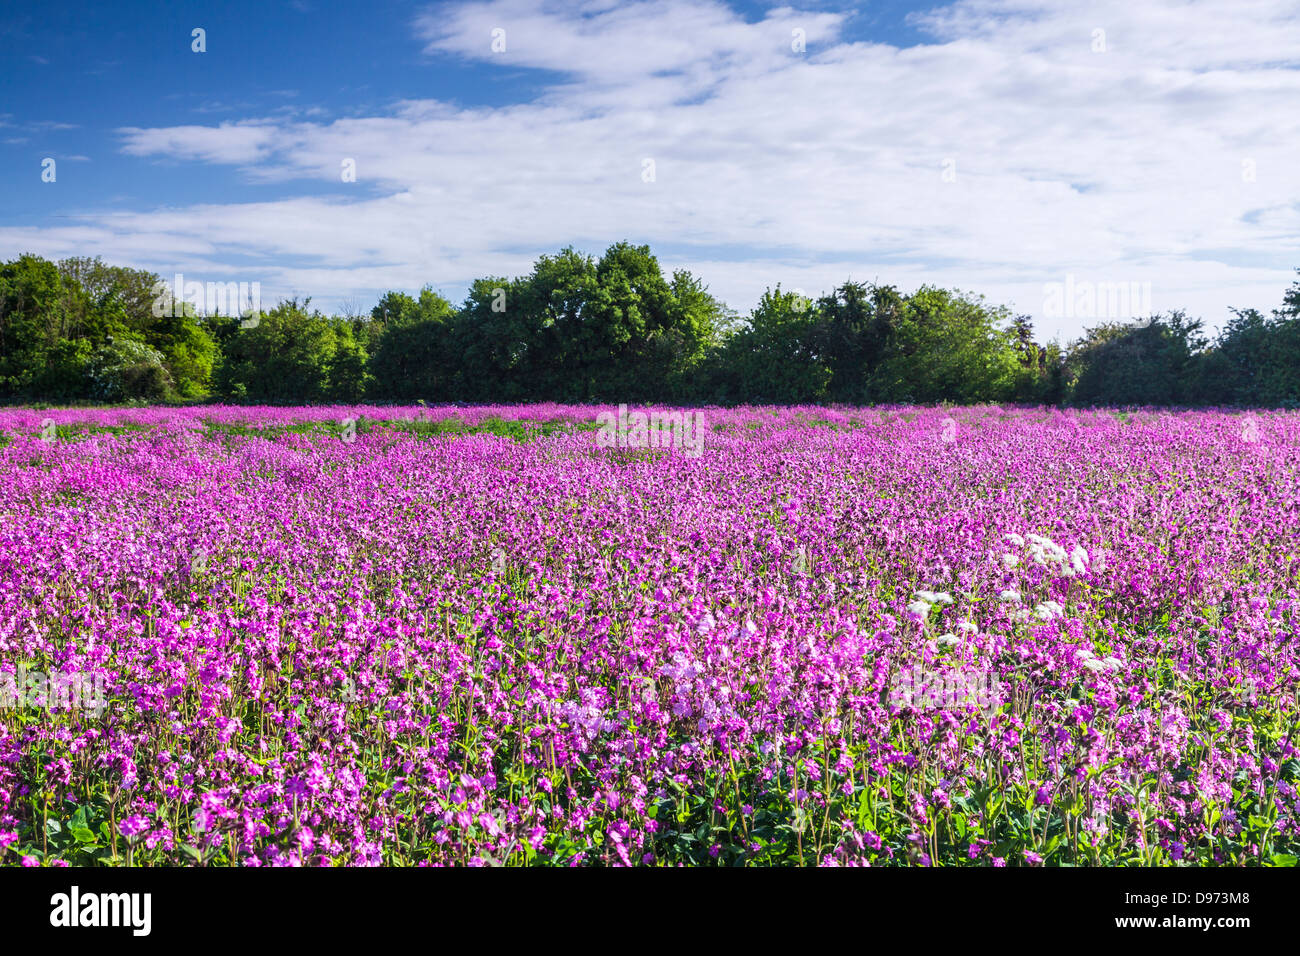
359,636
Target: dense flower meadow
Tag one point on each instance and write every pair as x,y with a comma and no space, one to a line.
409,636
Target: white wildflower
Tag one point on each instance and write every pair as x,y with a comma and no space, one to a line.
968,627
1013,538
1094,665
1010,596
1009,560
947,640
920,608
1079,559
1048,610
1044,550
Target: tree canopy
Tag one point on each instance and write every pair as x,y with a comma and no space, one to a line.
614,329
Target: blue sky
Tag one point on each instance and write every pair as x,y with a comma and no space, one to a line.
988,145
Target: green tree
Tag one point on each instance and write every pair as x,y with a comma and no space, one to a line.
1154,362
410,355
188,351
581,330
123,369
944,346
107,301
287,357
772,359
855,325
33,322
134,291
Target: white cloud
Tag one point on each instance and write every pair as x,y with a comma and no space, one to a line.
623,44
803,168
238,143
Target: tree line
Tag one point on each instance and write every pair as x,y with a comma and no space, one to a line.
614,329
